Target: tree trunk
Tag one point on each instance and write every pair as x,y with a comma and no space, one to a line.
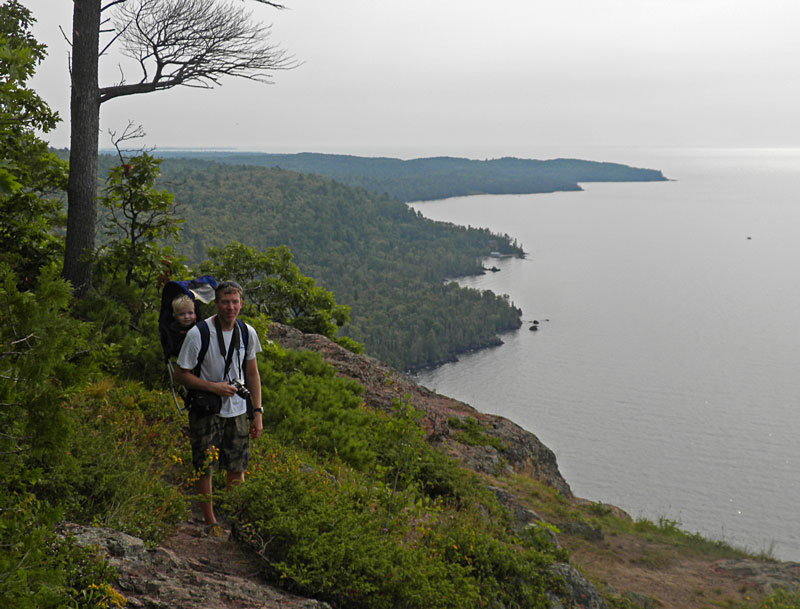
85,127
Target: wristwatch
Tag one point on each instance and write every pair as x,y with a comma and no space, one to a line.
259,409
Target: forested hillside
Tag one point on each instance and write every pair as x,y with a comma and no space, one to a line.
383,260
438,177
374,253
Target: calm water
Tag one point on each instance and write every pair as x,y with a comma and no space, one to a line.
666,371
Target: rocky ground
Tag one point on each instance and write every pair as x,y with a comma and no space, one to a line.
192,571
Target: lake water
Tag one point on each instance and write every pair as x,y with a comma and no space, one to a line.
666,371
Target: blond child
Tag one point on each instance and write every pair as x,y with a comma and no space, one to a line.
183,312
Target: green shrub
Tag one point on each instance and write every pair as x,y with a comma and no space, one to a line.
508,574
88,576
42,352
40,570
128,446
124,322
273,286
780,599
44,356
331,538
347,540
305,402
471,433
27,577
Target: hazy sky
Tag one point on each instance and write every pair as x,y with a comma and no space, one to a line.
424,77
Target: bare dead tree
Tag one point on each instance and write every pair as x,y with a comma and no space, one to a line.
193,43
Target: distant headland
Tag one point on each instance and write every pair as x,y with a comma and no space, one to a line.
437,177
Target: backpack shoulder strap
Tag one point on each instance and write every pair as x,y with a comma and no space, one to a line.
243,331
205,339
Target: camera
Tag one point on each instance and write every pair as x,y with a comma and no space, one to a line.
242,391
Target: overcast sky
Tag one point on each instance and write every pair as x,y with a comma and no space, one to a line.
425,77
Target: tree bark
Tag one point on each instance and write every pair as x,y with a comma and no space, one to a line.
84,140
234,48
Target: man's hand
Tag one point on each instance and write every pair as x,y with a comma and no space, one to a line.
187,378
223,388
256,426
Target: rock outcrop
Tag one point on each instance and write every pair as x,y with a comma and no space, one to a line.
761,575
190,572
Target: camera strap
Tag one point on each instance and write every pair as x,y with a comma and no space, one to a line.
234,346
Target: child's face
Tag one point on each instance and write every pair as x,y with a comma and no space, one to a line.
185,315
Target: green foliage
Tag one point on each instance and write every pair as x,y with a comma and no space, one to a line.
780,599
471,433
274,287
88,576
39,569
400,524
27,578
348,343
40,357
99,453
514,575
329,536
130,266
306,403
127,445
542,535
140,217
599,508
29,174
320,536
124,322
401,440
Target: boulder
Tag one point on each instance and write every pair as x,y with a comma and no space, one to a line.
580,593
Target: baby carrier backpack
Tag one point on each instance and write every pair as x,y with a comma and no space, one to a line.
200,290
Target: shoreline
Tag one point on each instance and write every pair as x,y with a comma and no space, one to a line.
492,343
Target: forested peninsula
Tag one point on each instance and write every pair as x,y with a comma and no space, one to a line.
386,262
438,177
374,253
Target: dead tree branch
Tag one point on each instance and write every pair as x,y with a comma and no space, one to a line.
193,43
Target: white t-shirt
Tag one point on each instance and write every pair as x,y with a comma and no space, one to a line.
214,363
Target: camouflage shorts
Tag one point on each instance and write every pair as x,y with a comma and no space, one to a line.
217,440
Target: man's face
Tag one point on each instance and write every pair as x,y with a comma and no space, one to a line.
228,305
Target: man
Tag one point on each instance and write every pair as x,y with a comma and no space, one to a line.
225,434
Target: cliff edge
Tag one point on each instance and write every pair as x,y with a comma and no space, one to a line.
609,559
501,446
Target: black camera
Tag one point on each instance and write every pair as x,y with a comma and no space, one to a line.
242,391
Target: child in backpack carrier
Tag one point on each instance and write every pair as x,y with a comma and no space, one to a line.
184,314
